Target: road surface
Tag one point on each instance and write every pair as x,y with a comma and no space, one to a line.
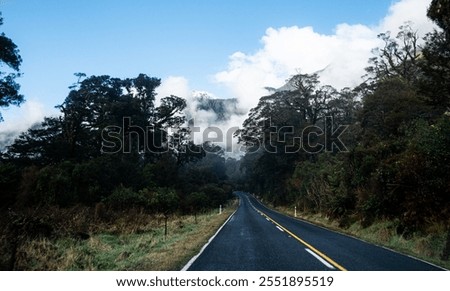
257,238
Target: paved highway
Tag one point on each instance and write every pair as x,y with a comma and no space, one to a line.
257,238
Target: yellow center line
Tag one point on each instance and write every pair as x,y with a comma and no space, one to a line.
319,253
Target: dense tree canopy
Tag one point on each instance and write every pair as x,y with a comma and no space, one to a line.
112,143
436,66
375,152
395,161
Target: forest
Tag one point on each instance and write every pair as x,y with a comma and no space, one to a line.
376,152
391,160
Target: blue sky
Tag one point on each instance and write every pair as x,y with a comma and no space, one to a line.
194,39
160,38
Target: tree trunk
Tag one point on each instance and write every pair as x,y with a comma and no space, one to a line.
165,226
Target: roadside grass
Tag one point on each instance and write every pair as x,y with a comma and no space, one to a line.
119,248
427,245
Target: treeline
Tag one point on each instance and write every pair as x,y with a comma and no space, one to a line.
113,145
377,151
117,160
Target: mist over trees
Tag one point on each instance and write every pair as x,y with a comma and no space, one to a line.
113,155
109,141
395,163
110,144
379,151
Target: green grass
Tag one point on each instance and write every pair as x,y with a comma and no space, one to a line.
147,250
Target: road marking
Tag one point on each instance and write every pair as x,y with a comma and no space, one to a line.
192,260
313,249
320,259
279,228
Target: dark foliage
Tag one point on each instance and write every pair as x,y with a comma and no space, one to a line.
9,56
395,162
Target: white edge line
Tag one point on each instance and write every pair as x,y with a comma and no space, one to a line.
370,243
320,259
353,237
279,228
192,260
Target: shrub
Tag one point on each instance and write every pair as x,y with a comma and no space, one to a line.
125,198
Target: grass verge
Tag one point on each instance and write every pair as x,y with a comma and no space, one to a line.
113,249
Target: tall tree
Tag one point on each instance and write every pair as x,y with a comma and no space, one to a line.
436,82
399,57
92,104
100,111
284,129
439,12
279,120
9,56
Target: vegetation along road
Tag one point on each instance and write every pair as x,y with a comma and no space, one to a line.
258,238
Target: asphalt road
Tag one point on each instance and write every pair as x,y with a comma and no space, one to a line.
257,238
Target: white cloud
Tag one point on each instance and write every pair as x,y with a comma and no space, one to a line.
340,58
285,51
407,10
173,85
342,55
206,121
20,119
